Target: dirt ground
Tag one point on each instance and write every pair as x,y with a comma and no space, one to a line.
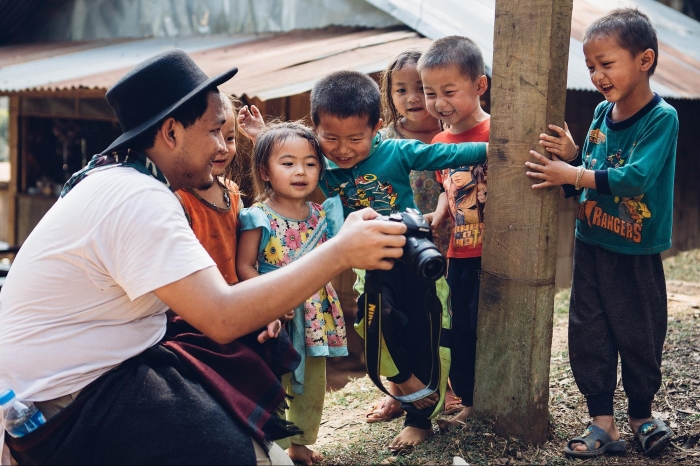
345,438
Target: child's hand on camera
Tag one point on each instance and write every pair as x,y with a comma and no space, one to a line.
435,219
272,331
250,122
561,147
288,316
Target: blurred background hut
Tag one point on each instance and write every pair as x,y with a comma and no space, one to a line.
59,57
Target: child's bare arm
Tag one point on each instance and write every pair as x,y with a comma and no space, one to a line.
563,146
250,122
436,218
247,253
556,173
246,257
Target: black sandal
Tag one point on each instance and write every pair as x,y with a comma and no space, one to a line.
651,429
589,438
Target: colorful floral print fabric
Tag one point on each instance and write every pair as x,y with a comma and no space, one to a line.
289,239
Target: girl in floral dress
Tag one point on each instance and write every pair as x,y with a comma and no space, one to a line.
278,229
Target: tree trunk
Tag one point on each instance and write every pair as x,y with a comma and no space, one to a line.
531,48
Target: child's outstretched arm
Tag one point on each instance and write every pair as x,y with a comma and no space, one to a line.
250,122
246,257
563,146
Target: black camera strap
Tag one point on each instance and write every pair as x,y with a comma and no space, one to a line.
377,322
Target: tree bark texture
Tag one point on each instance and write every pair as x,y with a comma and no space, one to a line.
531,48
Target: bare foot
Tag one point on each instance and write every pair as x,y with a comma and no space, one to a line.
608,425
387,409
409,437
304,455
412,385
456,420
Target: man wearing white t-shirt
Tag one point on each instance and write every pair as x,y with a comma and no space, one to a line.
82,312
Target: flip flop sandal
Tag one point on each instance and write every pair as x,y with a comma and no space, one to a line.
381,413
453,403
651,429
589,438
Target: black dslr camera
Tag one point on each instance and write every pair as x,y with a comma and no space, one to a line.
419,253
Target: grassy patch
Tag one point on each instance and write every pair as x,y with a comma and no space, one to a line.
683,266
561,302
347,439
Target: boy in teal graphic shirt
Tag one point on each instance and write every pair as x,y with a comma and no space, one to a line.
366,171
625,179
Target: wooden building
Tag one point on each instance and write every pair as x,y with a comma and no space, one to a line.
59,118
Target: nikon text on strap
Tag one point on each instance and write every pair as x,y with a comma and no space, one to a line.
377,322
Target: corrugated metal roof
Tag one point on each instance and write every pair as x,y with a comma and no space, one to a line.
271,66
65,68
277,65
677,74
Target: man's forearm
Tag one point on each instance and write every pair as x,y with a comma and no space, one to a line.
224,313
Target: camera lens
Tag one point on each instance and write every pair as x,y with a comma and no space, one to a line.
431,264
423,257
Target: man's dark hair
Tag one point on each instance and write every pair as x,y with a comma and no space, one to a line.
187,114
458,51
631,28
346,94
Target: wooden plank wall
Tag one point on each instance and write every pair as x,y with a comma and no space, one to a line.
4,214
13,143
686,202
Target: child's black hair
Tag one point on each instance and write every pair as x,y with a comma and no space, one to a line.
389,112
631,28
454,51
346,94
270,140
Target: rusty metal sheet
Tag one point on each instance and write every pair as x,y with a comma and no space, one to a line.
276,65
271,65
678,72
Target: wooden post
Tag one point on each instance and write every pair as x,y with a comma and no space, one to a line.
531,48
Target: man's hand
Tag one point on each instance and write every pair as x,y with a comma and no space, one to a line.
563,147
250,122
364,243
272,331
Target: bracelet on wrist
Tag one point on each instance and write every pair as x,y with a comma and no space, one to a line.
579,174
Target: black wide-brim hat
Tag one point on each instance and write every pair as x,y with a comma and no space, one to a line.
154,89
